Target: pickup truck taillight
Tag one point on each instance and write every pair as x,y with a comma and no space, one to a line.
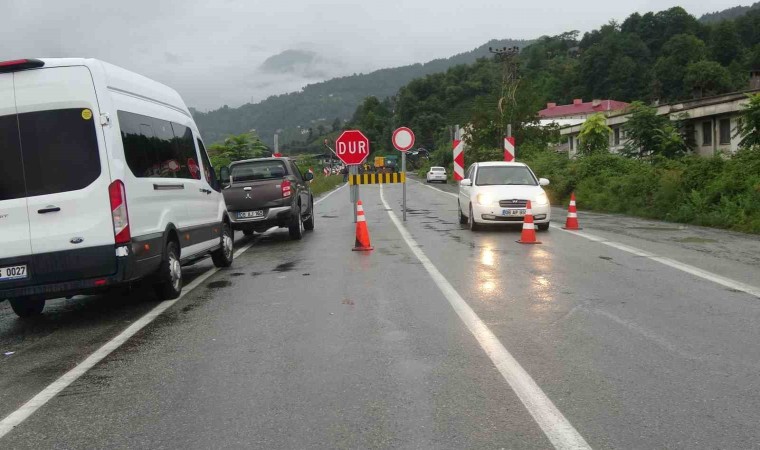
285,188
118,196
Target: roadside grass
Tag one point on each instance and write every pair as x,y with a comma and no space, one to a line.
321,184
721,192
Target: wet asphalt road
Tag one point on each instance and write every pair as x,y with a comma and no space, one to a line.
309,345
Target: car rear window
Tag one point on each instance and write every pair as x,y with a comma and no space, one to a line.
11,167
60,150
258,170
438,169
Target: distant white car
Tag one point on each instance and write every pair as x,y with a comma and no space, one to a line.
498,192
436,174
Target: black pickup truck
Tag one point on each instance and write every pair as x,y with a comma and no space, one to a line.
268,192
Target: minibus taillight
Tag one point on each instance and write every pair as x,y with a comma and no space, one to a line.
285,188
118,196
20,64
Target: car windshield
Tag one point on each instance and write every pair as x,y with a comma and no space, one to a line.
505,175
258,170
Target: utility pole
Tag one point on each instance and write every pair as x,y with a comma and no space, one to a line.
510,80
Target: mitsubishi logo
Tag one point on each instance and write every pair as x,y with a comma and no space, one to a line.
248,195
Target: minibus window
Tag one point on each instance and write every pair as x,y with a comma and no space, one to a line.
60,150
188,160
11,169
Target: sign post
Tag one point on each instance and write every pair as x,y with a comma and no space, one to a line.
352,148
403,140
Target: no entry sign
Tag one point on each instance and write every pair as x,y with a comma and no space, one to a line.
352,147
403,139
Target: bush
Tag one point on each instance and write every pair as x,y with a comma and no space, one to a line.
715,192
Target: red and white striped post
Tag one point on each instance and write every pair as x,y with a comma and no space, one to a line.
458,160
509,148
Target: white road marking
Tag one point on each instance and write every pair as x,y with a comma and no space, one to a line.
696,271
556,427
321,199
27,409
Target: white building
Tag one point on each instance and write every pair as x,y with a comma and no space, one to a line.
712,120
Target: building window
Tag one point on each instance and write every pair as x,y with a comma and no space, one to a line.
617,136
571,143
706,133
725,131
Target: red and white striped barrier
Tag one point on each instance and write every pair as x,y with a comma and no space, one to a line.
509,149
458,160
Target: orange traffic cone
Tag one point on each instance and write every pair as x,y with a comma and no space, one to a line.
572,216
528,235
362,234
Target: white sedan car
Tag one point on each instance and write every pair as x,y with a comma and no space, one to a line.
436,174
497,193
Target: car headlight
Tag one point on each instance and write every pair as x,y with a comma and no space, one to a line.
542,199
484,199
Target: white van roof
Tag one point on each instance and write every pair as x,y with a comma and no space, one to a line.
126,82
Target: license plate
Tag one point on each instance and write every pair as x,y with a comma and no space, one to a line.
250,214
12,273
513,212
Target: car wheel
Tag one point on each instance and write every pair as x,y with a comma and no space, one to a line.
543,226
247,232
169,274
224,256
309,223
296,225
26,307
471,221
462,218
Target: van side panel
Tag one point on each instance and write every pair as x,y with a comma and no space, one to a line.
154,202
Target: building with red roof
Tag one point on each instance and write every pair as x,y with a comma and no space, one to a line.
579,110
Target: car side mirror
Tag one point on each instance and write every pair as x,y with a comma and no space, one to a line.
466,182
543,181
224,176
308,176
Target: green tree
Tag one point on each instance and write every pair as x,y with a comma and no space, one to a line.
705,78
336,125
726,45
321,130
670,68
749,123
652,134
236,148
594,136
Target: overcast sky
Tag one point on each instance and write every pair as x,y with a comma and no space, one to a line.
211,50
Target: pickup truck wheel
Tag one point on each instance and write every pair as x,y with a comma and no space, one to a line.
223,257
169,274
296,225
309,223
26,307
